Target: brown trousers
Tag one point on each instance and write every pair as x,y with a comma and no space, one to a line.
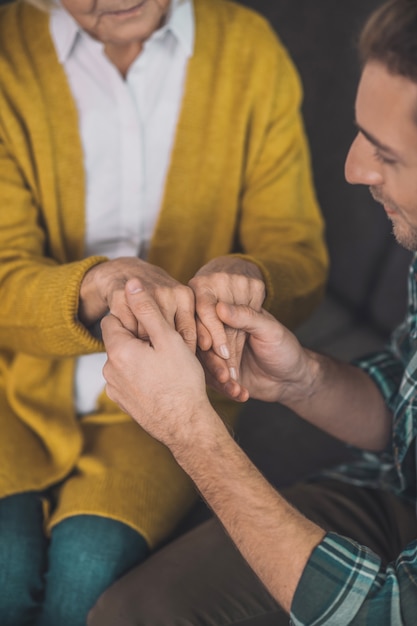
200,579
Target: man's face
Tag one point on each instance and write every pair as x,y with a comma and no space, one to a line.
384,152
118,22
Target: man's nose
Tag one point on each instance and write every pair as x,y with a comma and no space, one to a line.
361,167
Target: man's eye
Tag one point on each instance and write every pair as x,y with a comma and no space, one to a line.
383,159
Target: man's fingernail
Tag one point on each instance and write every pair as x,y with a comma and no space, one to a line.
233,373
224,351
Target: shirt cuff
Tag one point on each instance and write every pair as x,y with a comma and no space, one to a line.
334,583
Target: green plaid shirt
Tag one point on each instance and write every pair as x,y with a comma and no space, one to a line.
344,582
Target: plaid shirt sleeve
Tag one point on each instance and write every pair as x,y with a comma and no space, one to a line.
345,583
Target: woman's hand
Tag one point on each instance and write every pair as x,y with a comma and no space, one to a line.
103,291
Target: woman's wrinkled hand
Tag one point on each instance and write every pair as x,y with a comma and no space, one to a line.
233,280
103,290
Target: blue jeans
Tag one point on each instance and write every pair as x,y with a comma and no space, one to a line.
54,582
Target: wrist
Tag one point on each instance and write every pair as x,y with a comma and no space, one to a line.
91,307
201,440
301,389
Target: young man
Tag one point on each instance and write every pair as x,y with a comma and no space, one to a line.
352,559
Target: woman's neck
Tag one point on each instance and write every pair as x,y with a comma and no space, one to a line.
122,56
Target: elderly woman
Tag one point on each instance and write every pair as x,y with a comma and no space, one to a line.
155,139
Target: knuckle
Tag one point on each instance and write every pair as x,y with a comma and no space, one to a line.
145,307
259,289
189,335
186,293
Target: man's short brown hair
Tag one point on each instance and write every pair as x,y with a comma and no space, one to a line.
390,37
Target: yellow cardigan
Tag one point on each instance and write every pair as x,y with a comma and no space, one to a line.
239,182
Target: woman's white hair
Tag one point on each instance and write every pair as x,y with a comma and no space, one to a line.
44,5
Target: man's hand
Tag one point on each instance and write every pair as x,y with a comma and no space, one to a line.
333,395
274,366
103,290
158,381
161,384
232,280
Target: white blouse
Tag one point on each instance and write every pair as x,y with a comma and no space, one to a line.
127,129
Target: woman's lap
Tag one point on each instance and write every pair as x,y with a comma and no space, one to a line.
55,581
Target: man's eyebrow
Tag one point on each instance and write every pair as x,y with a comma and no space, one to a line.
374,141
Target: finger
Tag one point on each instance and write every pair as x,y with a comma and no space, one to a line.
176,304
203,336
118,341
147,312
215,367
128,320
185,322
206,311
114,332
236,392
222,346
236,341
217,377
256,323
